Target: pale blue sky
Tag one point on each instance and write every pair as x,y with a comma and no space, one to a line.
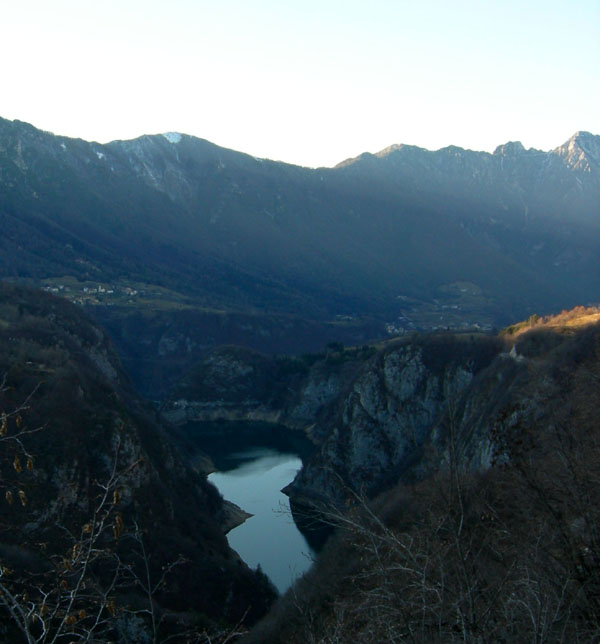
309,82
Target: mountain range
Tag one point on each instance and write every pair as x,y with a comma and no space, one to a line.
403,239
481,448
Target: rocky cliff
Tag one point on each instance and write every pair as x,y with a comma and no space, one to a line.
432,403
370,412
402,411
496,515
238,384
398,403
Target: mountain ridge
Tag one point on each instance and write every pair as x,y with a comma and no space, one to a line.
413,239
591,147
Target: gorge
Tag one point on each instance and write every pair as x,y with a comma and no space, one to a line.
172,312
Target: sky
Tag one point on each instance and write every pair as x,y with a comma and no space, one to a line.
310,82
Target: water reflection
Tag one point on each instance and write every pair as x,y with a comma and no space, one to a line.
270,538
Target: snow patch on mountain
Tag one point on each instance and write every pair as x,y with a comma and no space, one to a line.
172,137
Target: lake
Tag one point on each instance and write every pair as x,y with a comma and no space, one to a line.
253,467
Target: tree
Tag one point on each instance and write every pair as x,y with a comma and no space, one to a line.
85,581
68,583
63,587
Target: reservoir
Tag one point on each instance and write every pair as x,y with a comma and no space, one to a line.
253,465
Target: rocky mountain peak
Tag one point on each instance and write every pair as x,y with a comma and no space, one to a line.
581,151
512,148
402,147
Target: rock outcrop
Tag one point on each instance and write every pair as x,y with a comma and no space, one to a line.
237,384
401,400
439,402
370,413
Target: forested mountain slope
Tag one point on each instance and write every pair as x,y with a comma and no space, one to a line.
103,521
492,237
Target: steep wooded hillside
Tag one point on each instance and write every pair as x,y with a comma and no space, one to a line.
88,471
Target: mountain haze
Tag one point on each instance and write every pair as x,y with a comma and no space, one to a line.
407,237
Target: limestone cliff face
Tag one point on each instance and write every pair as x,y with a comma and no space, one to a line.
402,412
398,403
434,403
374,415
